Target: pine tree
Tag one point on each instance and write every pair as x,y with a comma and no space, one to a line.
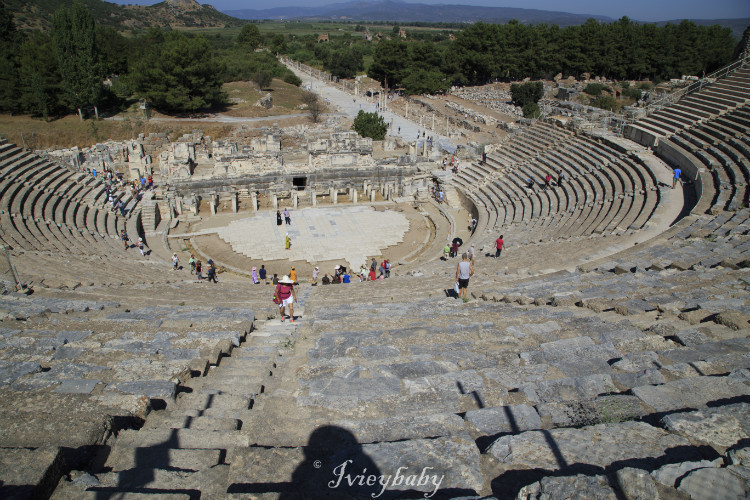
73,32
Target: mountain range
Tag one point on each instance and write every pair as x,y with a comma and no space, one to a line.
402,12
189,13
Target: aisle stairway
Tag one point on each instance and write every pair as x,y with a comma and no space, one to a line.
186,449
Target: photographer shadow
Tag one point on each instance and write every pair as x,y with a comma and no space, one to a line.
333,466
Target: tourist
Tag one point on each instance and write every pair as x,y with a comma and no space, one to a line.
363,273
140,246
371,275
446,251
464,271
262,272
254,275
278,218
560,179
121,206
387,268
293,275
676,178
473,224
191,263
211,272
346,278
529,183
287,217
275,279
373,264
150,182
199,270
336,279
288,242
547,180
315,272
471,253
124,238
93,171
454,249
175,261
381,269
499,244
326,280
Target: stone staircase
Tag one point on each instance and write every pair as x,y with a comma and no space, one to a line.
187,449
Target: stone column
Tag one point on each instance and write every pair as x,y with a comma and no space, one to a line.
313,198
235,207
372,195
354,196
254,200
213,203
295,199
334,196
424,148
275,202
364,186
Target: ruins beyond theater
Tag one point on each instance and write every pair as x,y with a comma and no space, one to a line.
604,354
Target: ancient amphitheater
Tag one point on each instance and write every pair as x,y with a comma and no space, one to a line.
605,354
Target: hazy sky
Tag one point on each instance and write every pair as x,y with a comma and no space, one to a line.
640,10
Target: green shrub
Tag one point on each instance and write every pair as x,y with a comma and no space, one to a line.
290,77
370,125
594,89
605,101
531,110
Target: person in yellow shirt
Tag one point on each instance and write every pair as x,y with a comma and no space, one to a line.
293,275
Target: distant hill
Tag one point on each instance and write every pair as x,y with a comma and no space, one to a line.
736,25
172,13
401,12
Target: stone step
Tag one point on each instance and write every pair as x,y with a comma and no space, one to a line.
691,393
597,446
445,464
186,422
202,401
123,458
205,483
265,431
234,384
181,438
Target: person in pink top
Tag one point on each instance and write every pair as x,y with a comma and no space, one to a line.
287,297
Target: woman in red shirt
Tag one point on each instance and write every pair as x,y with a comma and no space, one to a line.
286,294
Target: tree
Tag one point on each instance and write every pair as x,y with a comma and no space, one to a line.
179,75
73,32
278,44
390,62
9,42
314,106
370,125
425,82
263,79
345,62
525,93
40,92
249,36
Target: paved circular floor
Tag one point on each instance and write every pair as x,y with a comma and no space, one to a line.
318,234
